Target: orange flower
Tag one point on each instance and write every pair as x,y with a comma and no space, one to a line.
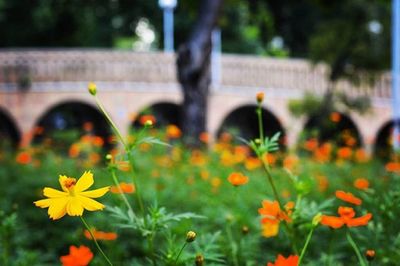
77,256
144,118
273,215
393,167
348,197
124,166
99,235
204,137
87,126
311,144
344,153
252,163
361,156
361,183
125,188
269,158
335,117
290,162
173,132
323,183
198,158
292,260
260,97
74,150
24,157
238,179
346,217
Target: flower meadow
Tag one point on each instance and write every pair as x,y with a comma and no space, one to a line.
151,201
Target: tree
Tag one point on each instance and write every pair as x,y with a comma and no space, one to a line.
194,71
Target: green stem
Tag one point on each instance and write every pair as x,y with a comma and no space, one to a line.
150,240
260,124
233,245
135,183
303,251
95,241
355,248
179,254
111,122
127,150
116,182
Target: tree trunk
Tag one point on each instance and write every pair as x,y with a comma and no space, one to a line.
193,64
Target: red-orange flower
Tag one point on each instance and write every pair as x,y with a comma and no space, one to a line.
77,256
99,235
292,260
393,167
204,137
335,117
238,179
252,163
361,183
346,217
125,188
348,197
144,118
344,153
24,157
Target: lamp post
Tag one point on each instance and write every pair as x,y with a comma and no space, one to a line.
168,9
396,72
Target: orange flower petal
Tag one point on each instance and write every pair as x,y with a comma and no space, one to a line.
348,197
332,221
359,221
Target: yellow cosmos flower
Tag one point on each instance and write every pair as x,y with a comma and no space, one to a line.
73,199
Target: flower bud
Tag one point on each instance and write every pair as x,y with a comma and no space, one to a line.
190,236
245,230
317,219
370,254
92,88
260,97
199,260
108,157
148,123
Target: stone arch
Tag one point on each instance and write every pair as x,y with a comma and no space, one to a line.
9,132
243,122
383,141
165,113
338,127
70,120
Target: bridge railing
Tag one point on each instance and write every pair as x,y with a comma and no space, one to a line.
30,66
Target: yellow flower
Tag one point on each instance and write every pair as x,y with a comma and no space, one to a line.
73,199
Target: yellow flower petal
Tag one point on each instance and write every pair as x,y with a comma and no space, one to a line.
84,182
74,207
95,193
270,229
44,203
57,208
53,193
90,204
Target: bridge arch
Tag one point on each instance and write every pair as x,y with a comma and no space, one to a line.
65,122
339,128
243,122
383,141
9,132
165,113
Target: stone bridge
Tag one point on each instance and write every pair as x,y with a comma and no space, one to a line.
34,82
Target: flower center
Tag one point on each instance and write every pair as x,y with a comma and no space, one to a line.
69,184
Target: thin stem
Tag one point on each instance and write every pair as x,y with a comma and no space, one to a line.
111,122
303,251
233,245
179,254
355,248
116,182
150,240
135,183
260,124
95,241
